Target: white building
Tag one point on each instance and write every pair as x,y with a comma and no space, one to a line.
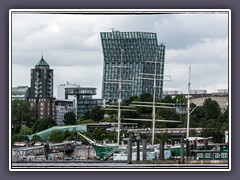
63,107
61,89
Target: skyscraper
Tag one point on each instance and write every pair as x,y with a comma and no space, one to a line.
42,80
40,94
127,56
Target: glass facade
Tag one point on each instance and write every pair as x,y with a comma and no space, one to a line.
139,52
84,99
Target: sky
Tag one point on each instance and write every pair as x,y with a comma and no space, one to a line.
71,45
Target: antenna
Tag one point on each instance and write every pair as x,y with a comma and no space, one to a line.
112,29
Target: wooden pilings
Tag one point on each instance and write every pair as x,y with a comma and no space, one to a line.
182,151
129,151
138,151
144,149
46,150
161,150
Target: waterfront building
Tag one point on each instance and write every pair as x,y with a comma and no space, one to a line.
129,55
199,96
221,99
198,91
84,99
40,94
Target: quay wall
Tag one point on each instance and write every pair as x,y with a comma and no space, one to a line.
84,152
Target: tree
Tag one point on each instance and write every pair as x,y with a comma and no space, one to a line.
164,137
96,114
211,119
146,97
42,124
212,109
70,118
180,99
25,130
99,134
17,138
56,136
168,114
168,99
36,138
21,115
130,100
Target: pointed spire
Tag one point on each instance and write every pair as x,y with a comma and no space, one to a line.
42,62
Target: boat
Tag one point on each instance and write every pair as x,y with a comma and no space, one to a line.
103,151
119,152
122,154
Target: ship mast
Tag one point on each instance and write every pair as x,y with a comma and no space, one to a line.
154,99
119,98
188,103
154,77
120,82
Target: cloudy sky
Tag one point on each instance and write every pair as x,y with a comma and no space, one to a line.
71,45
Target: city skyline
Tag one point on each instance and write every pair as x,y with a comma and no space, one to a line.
71,45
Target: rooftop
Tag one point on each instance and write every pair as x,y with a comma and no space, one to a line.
42,62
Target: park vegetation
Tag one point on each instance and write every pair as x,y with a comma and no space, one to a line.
208,116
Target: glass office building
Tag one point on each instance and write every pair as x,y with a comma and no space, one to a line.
84,99
134,54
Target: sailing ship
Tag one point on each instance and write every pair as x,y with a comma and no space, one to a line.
117,150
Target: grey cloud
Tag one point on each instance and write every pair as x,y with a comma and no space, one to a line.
71,45
185,30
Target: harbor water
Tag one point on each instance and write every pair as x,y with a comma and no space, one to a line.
111,165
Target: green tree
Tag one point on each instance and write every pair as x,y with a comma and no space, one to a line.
211,119
96,114
17,138
25,130
212,109
88,121
42,124
168,99
66,134
56,136
36,138
180,99
21,115
70,118
146,97
99,134
72,136
168,114
164,137
130,100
